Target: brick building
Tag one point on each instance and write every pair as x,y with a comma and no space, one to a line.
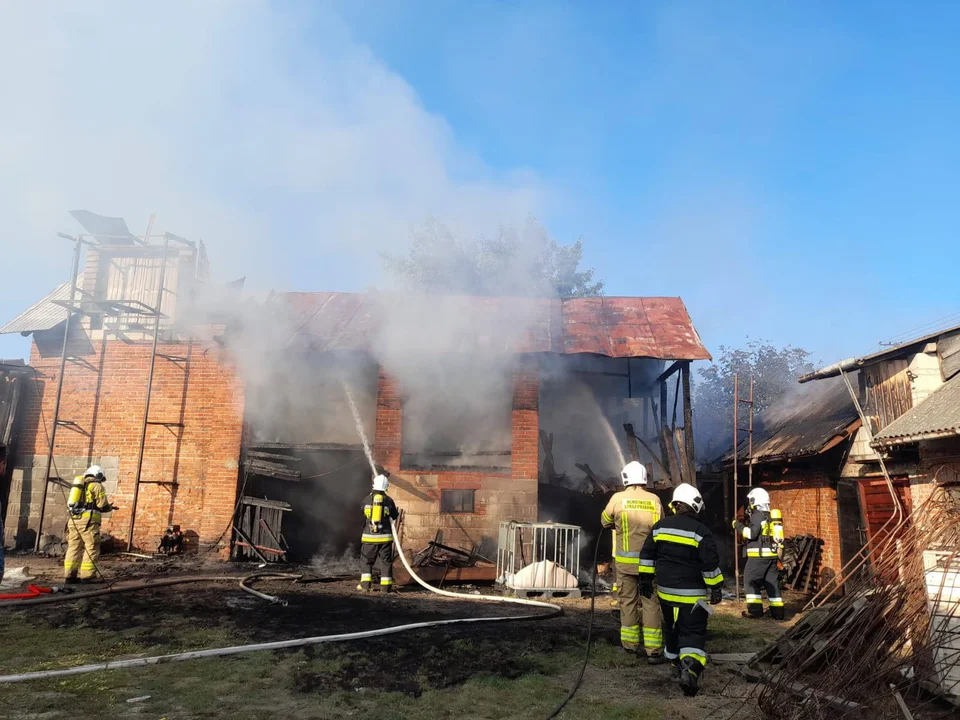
218,432
822,467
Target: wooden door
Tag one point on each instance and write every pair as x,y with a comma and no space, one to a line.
878,508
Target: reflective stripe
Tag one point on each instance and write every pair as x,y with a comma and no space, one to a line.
682,533
675,537
711,582
367,538
776,602
696,653
686,592
761,552
646,569
647,563
627,554
630,633
366,577
627,560
604,518
684,599
652,637
669,655
386,581
747,533
711,573
626,531
754,599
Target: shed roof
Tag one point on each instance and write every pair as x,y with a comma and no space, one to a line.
936,417
803,424
617,327
44,314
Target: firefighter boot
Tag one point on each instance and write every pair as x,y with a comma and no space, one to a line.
364,585
690,676
675,670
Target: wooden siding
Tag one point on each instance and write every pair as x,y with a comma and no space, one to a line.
889,391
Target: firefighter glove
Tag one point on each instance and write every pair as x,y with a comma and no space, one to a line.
645,586
716,595
738,526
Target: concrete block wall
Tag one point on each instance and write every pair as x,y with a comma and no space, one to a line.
809,507
26,488
104,394
939,462
498,496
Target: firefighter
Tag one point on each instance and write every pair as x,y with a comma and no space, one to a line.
681,555
379,512
764,535
86,504
633,512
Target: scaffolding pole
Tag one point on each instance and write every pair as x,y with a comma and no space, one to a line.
78,241
146,408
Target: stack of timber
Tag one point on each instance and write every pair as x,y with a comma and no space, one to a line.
801,563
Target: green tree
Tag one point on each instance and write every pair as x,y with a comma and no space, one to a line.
774,371
519,263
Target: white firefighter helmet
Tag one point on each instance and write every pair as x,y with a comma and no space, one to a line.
633,473
759,498
94,471
381,483
688,495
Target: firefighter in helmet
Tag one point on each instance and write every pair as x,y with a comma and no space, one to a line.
763,532
86,505
379,512
632,513
681,555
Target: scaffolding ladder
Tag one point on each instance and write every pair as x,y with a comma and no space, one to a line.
749,402
111,308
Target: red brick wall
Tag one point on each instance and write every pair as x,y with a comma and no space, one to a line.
499,496
105,396
809,507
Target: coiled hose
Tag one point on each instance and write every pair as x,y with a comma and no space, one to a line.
299,642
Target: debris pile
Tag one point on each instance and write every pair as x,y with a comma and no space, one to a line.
891,642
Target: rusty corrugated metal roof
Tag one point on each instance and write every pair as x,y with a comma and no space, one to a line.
618,327
802,424
937,416
45,313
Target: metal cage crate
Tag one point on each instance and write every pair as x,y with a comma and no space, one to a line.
539,559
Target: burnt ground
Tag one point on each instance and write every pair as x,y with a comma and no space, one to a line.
512,669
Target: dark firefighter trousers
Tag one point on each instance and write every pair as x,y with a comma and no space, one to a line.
761,574
370,553
685,633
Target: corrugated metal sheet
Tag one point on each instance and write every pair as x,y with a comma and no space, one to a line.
937,416
657,328
803,424
43,314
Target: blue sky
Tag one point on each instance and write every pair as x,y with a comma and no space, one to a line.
789,169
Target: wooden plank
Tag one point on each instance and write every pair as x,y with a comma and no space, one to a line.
435,574
688,420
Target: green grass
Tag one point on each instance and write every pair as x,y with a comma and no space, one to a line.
491,676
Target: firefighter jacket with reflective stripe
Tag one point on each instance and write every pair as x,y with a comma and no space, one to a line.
88,500
759,535
632,513
682,554
380,511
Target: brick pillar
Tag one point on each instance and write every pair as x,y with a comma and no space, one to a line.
387,441
526,422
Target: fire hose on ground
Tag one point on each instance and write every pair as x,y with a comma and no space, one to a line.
555,610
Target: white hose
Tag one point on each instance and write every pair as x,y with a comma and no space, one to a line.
301,642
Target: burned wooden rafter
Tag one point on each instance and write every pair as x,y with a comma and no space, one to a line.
275,457
306,447
270,469
631,435
593,477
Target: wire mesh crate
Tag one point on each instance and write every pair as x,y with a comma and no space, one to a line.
539,559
